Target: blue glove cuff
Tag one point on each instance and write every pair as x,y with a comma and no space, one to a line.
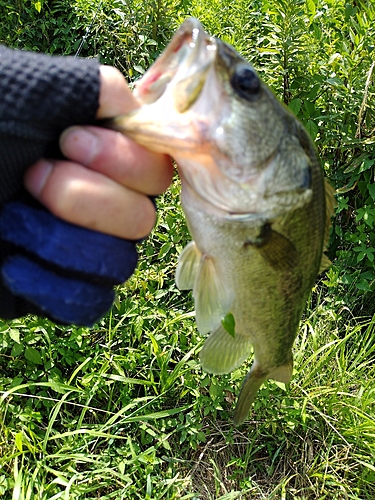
63,299
66,245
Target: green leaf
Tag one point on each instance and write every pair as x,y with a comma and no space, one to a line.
229,324
363,285
33,355
311,8
367,163
164,249
371,190
215,391
17,349
38,6
336,82
281,385
312,129
295,105
310,107
14,335
317,31
158,414
367,275
18,441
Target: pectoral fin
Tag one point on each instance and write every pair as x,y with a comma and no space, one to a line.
187,267
276,249
222,353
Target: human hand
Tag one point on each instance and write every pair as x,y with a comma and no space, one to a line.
107,182
104,186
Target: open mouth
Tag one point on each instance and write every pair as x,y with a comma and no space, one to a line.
186,60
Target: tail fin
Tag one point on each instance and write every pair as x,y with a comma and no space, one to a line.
253,380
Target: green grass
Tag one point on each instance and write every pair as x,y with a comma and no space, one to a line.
124,411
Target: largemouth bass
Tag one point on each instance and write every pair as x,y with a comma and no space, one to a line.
254,198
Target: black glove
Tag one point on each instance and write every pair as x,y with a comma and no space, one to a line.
47,266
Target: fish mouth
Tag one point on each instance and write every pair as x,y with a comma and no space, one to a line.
186,60
167,92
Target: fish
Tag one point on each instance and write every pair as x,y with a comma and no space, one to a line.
254,197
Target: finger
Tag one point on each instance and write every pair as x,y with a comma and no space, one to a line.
115,97
90,199
118,157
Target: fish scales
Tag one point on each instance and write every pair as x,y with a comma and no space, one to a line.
254,198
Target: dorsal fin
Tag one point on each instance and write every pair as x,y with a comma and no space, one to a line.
330,210
331,204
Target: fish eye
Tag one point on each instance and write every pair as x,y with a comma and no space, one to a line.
246,82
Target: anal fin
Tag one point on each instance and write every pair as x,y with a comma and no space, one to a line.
282,373
222,353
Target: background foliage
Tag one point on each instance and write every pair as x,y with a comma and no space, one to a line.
123,410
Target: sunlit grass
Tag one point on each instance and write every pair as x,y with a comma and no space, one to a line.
124,411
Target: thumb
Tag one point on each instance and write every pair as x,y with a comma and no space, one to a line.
115,95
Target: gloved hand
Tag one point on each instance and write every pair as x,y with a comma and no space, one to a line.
56,269
47,266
